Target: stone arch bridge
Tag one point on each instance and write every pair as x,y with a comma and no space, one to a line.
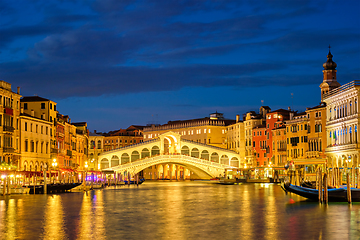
205,161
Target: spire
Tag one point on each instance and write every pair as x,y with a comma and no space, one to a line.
330,64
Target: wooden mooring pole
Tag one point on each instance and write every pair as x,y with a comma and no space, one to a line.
348,187
325,197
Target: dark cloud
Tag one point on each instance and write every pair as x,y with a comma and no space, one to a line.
119,47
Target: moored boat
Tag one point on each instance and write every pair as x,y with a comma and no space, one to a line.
334,194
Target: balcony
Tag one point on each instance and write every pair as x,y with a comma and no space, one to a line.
342,147
8,149
69,153
281,149
313,154
54,150
8,129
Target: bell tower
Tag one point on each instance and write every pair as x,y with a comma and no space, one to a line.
329,76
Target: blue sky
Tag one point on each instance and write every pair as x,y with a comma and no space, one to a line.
118,63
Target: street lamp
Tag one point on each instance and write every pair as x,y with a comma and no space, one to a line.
86,168
54,164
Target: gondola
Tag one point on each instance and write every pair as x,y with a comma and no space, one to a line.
334,194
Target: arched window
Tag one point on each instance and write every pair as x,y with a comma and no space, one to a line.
224,160
155,151
195,153
114,161
185,150
125,158
135,156
145,153
205,155
99,144
214,157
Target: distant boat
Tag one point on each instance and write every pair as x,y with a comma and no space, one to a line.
134,182
15,189
52,188
334,194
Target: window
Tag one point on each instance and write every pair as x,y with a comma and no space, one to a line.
30,127
36,128
42,105
42,129
50,105
54,107
50,119
25,106
32,146
46,131
26,126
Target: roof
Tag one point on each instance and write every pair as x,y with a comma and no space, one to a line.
321,105
33,99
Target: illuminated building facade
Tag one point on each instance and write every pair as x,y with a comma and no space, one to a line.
95,149
123,137
44,109
251,121
9,125
235,134
279,157
342,125
34,143
209,130
342,119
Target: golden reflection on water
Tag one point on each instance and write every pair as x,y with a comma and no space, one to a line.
173,213
246,213
271,216
54,218
92,217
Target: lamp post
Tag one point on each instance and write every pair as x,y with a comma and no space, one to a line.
54,164
86,168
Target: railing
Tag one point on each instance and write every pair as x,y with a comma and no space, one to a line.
281,149
342,88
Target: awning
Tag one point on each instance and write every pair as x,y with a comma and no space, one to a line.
310,161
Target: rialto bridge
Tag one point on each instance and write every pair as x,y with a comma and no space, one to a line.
169,156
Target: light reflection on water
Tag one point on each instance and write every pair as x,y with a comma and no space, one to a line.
176,210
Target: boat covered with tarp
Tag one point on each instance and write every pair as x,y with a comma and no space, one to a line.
334,194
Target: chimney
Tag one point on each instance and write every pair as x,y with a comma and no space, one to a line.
32,112
237,118
289,108
18,90
94,131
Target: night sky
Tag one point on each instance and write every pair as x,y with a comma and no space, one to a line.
116,63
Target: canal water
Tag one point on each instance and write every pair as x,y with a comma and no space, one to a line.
176,210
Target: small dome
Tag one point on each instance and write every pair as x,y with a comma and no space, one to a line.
330,64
